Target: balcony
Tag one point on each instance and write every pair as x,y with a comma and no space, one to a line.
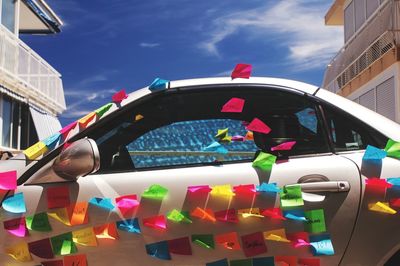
373,41
26,73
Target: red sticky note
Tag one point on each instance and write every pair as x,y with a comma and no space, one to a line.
254,244
204,214
16,227
274,213
65,130
127,204
180,246
395,202
234,105
52,263
199,189
228,240
245,189
119,96
75,260
229,216
286,260
58,197
258,126
8,180
41,248
309,262
377,182
156,222
286,146
106,231
241,71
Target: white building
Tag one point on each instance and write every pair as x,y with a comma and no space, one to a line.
31,90
367,67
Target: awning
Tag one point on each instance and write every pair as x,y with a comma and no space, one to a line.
37,17
12,94
45,124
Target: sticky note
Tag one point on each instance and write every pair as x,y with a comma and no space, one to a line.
300,243
321,245
8,180
309,262
395,202
222,191
118,97
16,227
245,189
158,84
205,241
15,203
75,260
85,237
291,196
252,212
393,149
286,146
63,244
315,221
296,215
60,215
78,213
52,141
381,207
38,222
52,263
378,183
204,214
106,231
274,213
298,238
179,216
276,235
241,71
228,241
234,105
57,197
199,189
228,216
127,204
104,203
35,150
129,225
180,246
256,125
138,117
249,136
156,192
395,181
243,262
238,138
41,248
253,244
84,121
216,147
155,222
269,188
19,252
286,260
373,153
65,130
264,261
102,110
264,161
159,250
222,133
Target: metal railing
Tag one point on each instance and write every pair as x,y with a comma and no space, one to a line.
29,74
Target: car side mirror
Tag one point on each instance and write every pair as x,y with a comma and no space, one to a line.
81,158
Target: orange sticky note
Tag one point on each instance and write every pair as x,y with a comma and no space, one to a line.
20,252
107,231
85,237
78,213
249,135
228,240
204,214
138,117
84,121
75,260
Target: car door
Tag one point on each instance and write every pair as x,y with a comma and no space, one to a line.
165,141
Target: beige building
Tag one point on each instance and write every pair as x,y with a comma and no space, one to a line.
31,90
367,68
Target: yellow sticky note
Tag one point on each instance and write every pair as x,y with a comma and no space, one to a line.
60,215
222,190
85,237
84,121
35,150
138,117
19,252
253,212
381,207
276,235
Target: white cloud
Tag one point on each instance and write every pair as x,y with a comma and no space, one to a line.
148,45
297,25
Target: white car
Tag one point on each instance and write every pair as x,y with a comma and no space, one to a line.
146,181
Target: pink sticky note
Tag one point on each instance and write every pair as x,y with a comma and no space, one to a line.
199,189
180,246
245,189
16,227
241,71
65,130
258,126
286,146
298,239
228,216
254,244
119,96
156,222
238,138
127,204
8,180
300,243
234,105
274,213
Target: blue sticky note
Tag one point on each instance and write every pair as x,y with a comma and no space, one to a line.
15,203
321,245
53,140
158,84
217,147
395,181
264,261
129,225
265,187
159,250
104,203
223,262
373,153
297,215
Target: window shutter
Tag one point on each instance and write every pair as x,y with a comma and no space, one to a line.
386,99
368,99
372,5
359,7
349,21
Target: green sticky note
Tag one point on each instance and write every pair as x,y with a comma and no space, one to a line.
264,161
102,110
315,221
38,222
63,244
245,262
393,149
205,241
155,192
179,216
291,196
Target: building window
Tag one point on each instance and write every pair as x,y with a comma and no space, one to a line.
8,14
7,120
349,21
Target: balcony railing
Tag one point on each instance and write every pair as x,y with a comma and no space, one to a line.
30,75
378,36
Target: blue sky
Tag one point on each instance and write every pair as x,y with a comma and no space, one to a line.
108,45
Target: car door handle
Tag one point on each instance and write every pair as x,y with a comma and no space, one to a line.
323,186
